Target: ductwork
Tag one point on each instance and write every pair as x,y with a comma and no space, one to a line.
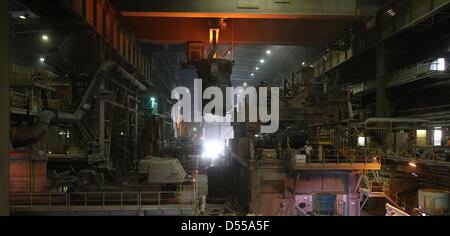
124,74
103,71
38,131
61,60
47,118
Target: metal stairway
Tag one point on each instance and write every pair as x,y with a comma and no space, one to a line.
374,186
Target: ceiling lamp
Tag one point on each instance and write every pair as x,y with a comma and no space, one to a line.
391,12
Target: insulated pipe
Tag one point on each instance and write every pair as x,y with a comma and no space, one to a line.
394,120
46,118
38,131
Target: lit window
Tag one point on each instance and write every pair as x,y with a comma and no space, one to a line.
421,138
361,141
438,65
437,137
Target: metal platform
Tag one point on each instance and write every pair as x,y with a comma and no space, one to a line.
336,166
103,203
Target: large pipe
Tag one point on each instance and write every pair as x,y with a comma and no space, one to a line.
89,97
394,120
4,109
134,81
47,118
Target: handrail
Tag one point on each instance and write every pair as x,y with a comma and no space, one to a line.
428,62
101,200
385,189
341,156
401,75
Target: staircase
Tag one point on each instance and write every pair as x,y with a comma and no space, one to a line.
374,186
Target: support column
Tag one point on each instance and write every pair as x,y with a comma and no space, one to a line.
393,178
348,190
354,205
320,155
381,82
352,201
4,109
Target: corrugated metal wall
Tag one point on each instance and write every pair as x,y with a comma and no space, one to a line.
101,15
27,175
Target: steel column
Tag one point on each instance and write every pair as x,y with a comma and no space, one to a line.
101,134
347,195
381,100
4,109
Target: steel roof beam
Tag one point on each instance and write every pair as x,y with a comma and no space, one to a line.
267,9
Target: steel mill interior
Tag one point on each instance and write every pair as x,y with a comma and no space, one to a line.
225,107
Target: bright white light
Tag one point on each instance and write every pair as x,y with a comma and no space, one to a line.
257,68
361,141
45,37
437,137
212,149
303,63
122,133
252,74
268,52
22,17
245,84
42,59
262,61
438,65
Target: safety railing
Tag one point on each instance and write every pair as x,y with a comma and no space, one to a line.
426,155
101,201
394,197
335,156
406,74
24,103
374,184
412,72
394,211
